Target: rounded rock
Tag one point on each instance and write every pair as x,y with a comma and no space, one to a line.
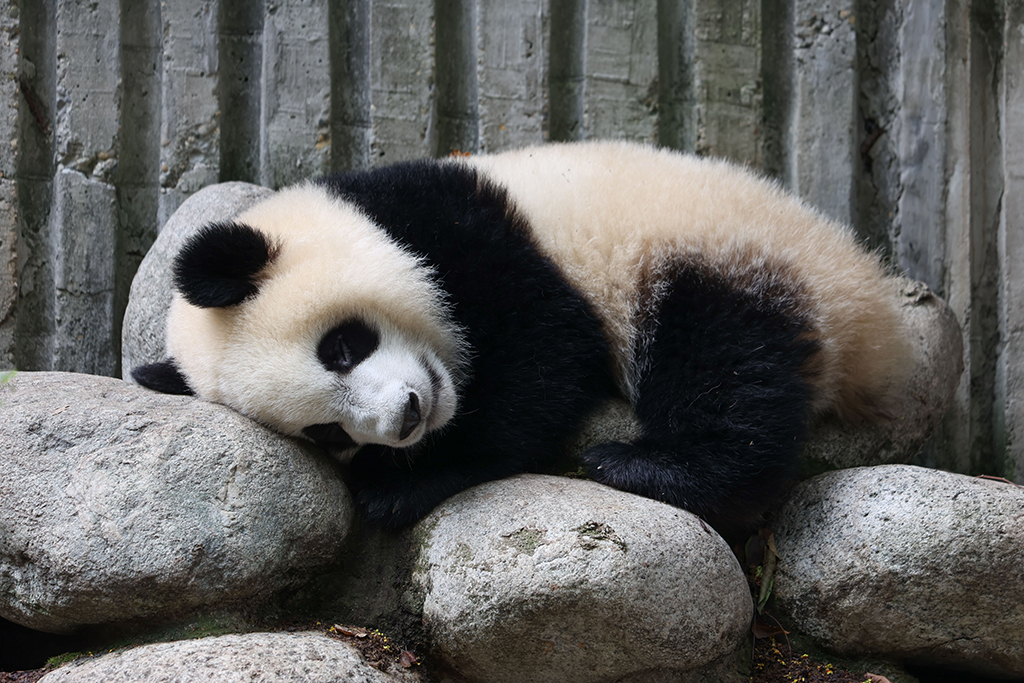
118,503
303,657
907,562
545,578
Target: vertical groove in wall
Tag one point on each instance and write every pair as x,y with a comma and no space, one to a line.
37,76
985,196
567,70
351,121
138,165
677,112
777,83
878,177
455,64
921,106
10,103
240,29
1010,385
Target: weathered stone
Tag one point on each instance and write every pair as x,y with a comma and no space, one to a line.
190,118
539,578
296,93
9,209
303,657
1010,373
117,502
83,218
513,61
620,95
906,562
401,64
145,318
8,269
83,225
822,158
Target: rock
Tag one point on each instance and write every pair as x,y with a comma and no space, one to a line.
150,297
539,578
906,562
921,403
303,657
117,502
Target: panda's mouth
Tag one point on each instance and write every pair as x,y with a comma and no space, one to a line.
330,435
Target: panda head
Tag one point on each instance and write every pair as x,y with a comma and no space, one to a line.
304,315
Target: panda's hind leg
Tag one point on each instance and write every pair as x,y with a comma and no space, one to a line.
721,397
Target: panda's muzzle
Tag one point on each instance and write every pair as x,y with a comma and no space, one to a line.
411,418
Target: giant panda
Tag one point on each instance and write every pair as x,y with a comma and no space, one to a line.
452,321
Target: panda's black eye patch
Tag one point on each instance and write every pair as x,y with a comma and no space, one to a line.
347,345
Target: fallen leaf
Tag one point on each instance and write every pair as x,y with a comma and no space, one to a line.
754,550
763,629
353,631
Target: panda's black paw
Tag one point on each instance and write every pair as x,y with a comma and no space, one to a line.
614,464
639,469
394,506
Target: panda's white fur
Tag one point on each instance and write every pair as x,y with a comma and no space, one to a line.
620,221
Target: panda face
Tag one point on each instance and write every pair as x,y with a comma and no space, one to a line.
305,316
386,390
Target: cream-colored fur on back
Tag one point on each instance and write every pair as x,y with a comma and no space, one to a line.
334,264
604,210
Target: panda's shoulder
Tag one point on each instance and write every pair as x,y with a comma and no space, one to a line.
430,202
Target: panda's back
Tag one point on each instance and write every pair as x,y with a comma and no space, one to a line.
617,216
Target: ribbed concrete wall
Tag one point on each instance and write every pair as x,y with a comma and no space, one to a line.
904,118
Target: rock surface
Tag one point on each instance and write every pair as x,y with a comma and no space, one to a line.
304,657
539,578
908,562
145,317
117,502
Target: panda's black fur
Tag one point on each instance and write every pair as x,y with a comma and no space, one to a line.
723,374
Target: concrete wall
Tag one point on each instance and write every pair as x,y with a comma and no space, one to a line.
904,118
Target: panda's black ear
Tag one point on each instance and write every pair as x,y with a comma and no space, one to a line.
164,377
220,264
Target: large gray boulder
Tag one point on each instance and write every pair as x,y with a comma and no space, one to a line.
118,503
303,657
907,562
145,317
539,578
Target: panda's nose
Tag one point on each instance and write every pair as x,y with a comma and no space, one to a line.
411,417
